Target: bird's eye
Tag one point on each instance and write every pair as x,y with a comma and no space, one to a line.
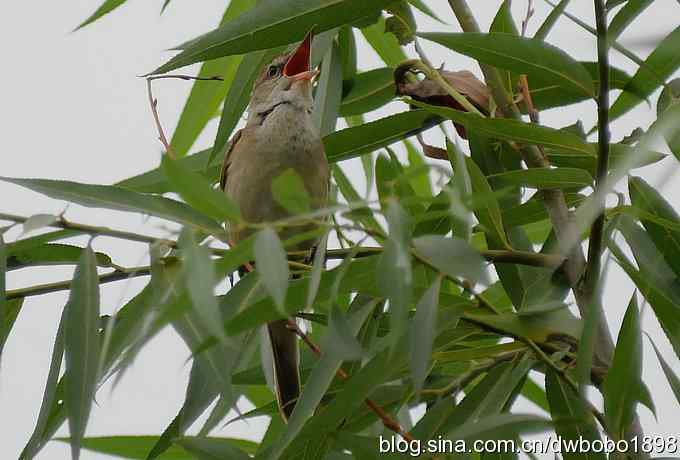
273,71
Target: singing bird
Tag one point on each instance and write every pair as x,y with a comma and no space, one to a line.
279,135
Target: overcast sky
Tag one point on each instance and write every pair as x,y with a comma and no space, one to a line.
72,108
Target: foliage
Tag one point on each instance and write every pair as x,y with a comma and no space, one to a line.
457,286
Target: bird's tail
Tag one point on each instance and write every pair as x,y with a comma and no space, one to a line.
286,365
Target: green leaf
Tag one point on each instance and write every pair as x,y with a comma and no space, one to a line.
418,172
422,6
550,21
625,16
104,8
341,337
328,91
547,178
5,324
205,97
50,254
666,240
37,221
533,210
53,391
513,130
111,197
620,400
200,278
132,447
369,137
212,448
272,263
8,315
501,426
386,45
533,58
81,347
270,24
362,215
451,256
422,332
289,191
658,66
503,23
198,192
237,98
368,91
401,24
573,421
673,379
348,52
490,214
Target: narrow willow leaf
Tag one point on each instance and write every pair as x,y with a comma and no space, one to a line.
521,55
673,379
625,16
451,256
620,400
422,6
368,91
236,99
418,172
503,23
268,25
198,192
132,447
50,254
386,45
272,263
369,137
5,325
328,91
488,215
9,311
104,8
111,197
205,97
40,434
212,448
547,178
513,130
362,215
318,266
550,21
573,421
348,52
341,337
658,66
200,279
290,192
81,347
666,240
501,426
422,334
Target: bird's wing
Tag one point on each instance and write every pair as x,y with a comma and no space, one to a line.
227,158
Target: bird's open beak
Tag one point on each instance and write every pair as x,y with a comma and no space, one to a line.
297,67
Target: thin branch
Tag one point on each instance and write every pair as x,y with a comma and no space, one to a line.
154,110
527,17
117,275
184,77
387,421
94,230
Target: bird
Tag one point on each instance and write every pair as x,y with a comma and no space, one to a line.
279,135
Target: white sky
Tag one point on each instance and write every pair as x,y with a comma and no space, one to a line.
72,108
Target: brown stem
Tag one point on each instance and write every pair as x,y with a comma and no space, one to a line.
154,110
387,421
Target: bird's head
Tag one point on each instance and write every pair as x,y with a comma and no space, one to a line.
286,80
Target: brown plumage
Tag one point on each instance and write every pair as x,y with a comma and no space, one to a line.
279,135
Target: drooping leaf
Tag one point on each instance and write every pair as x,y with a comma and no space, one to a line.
550,21
658,66
212,448
489,215
104,8
9,312
81,347
667,241
270,24
422,332
547,178
205,97
625,16
572,420
521,55
328,91
672,378
620,400
368,91
271,261
111,197
451,256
